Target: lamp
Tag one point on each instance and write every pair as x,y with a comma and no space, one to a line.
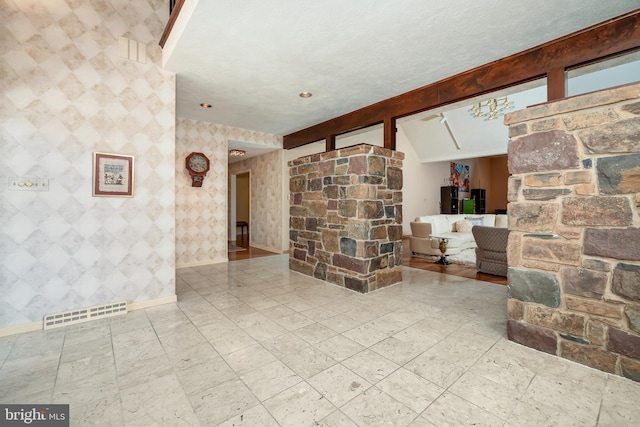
491,109
237,153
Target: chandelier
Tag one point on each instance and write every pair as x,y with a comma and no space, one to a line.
491,109
236,153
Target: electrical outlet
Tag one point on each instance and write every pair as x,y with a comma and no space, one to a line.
28,184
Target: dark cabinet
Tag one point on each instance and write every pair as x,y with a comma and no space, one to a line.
479,197
449,200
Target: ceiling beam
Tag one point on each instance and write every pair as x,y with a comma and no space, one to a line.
175,11
614,37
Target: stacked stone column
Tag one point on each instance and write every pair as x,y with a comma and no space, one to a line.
346,217
574,245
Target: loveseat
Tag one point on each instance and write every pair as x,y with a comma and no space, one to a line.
456,227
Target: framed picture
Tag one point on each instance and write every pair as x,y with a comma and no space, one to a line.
112,175
460,176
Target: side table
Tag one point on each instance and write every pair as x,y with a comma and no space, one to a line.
443,240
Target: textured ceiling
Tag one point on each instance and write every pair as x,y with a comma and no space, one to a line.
251,59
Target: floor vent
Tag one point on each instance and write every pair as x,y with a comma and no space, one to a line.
80,315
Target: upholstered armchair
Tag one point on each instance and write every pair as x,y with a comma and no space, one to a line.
491,253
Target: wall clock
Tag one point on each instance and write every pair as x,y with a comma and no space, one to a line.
197,165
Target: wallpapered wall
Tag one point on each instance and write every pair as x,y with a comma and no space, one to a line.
201,213
65,95
266,199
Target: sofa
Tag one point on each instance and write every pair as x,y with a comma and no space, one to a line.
457,228
491,252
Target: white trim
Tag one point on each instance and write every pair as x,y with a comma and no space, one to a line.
201,263
19,329
266,248
151,303
37,326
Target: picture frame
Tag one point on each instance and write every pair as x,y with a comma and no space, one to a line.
112,175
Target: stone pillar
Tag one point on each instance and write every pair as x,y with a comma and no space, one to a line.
346,217
574,245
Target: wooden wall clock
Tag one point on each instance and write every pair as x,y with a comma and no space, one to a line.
198,165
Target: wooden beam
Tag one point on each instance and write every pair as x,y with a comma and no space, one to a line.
390,133
172,20
617,36
330,143
556,84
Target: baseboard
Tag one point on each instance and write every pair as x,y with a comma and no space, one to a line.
201,263
266,248
37,326
19,329
151,303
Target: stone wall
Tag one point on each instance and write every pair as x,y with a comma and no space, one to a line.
346,217
574,246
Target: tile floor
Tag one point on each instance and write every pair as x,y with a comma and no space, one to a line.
250,343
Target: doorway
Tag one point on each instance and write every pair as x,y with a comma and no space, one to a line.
240,204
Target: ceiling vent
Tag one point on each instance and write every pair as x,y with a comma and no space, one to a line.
134,50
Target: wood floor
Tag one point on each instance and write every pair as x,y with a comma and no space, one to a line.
453,269
407,260
250,252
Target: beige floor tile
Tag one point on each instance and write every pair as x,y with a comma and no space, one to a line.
195,379
397,351
315,333
490,396
293,321
531,413
160,402
231,340
617,410
257,416
319,314
27,381
440,371
184,358
338,384
125,354
277,312
408,388
307,361
89,366
376,408
299,406
105,412
339,347
217,404
340,323
561,394
90,389
249,358
365,335
336,419
269,380
451,410
370,365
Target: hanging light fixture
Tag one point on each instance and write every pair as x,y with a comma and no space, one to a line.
491,109
237,153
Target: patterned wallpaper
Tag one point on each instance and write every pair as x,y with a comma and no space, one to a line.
66,94
201,213
266,199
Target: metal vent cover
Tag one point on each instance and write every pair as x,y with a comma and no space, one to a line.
86,314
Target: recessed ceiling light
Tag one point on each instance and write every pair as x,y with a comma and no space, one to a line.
205,105
306,94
